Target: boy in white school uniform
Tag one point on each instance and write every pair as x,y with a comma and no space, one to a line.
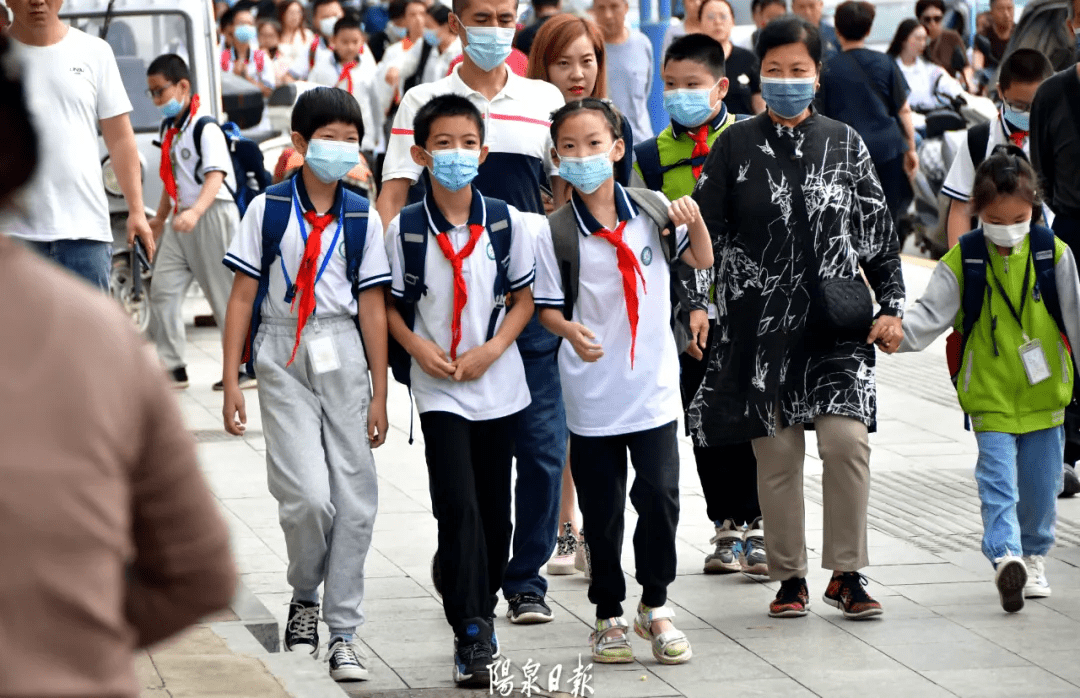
197,179
619,367
324,14
311,266
244,57
350,67
455,257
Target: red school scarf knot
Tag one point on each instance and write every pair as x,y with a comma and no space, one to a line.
1018,138
461,292
346,75
628,268
701,147
305,277
168,177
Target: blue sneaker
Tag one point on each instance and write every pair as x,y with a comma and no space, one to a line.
729,545
494,640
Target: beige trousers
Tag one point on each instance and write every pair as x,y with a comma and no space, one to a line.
844,447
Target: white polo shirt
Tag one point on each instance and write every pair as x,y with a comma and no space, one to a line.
303,65
328,71
517,126
502,390
961,178
333,292
259,67
185,158
608,397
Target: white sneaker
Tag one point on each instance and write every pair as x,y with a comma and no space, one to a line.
1037,587
1010,578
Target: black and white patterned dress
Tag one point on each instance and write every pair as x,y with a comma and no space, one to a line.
771,351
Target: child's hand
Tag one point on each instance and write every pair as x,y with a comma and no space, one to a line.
392,76
234,413
377,423
157,227
432,359
185,221
699,331
684,211
579,336
887,332
474,363
239,67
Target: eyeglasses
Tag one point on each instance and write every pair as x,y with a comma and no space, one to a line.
932,19
156,94
1019,106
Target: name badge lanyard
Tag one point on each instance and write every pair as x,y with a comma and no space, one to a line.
290,287
1023,297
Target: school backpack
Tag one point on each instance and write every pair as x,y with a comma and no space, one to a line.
249,168
975,258
279,208
414,241
647,154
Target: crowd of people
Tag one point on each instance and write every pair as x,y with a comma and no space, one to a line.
523,204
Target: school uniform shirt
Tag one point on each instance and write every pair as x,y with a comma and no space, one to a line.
438,65
333,292
328,71
305,60
961,178
517,124
186,162
502,390
609,397
258,67
71,87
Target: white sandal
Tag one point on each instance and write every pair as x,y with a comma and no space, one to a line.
671,647
608,648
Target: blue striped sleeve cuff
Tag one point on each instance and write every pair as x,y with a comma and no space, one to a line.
953,194
372,282
683,247
556,303
523,281
238,265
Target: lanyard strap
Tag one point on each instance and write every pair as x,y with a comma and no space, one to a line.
290,289
1023,294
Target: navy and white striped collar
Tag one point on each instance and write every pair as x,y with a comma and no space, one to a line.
678,129
437,221
588,224
305,200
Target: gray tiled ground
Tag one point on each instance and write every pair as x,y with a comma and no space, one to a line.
943,634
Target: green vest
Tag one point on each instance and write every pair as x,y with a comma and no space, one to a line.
994,389
679,181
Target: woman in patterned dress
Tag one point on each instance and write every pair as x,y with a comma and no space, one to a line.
791,197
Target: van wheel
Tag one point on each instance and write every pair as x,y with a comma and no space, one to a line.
122,288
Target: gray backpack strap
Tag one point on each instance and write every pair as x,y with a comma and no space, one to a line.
649,202
566,239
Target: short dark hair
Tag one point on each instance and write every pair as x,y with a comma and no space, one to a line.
1006,171
398,8
228,18
1024,65
171,67
349,21
442,106
789,29
440,13
321,106
603,106
923,5
16,128
539,4
699,48
854,19
762,4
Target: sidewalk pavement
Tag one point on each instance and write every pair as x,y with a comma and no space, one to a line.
943,633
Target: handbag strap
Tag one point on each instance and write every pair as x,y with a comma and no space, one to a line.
795,175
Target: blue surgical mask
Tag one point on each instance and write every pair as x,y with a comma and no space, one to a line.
788,97
246,33
431,38
455,168
489,47
171,108
1020,120
331,160
395,32
588,173
690,108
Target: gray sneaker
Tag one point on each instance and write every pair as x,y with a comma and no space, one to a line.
754,560
725,558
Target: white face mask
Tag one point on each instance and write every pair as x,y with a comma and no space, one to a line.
1007,235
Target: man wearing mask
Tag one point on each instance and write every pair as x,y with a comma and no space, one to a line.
518,164
811,11
325,14
629,66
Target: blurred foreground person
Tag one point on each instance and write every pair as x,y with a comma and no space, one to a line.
109,537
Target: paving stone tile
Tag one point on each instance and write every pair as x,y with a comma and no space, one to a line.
1006,682
971,654
901,575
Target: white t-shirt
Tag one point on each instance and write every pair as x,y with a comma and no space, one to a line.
608,397
303,65
333,292
929,83
215,157
961,178
502,390
328,72
71,86
259,66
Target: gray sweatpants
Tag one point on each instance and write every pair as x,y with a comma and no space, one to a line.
319,462
182,258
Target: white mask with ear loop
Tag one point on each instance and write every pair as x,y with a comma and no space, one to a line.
1007,235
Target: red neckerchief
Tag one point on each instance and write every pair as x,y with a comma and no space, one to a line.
701,146
1018,138
461,292
166,169
305,277
628,266
346,74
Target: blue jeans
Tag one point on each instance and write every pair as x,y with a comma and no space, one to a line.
1019,477
89,259
540,449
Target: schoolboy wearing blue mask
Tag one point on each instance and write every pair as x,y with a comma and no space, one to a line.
243,57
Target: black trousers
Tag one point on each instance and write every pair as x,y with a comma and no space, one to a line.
598,464
895,185
1068,229
469,469
728,473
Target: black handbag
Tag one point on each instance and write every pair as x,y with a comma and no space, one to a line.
843,305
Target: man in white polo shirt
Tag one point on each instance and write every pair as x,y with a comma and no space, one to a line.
517,119
77,88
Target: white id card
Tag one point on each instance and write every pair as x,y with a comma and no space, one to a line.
1034,359
323,355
